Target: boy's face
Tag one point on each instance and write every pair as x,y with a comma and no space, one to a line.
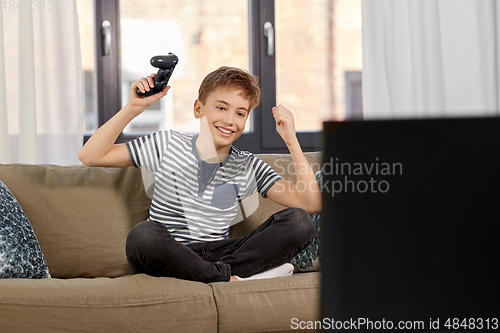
227,111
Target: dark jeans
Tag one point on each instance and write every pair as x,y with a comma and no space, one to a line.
152,250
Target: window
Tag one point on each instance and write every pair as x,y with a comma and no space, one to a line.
203,34
304,54
313,64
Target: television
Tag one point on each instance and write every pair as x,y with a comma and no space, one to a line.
410,240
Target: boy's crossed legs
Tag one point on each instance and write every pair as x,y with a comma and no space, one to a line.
152,250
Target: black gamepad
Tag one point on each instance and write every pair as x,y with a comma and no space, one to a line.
166,65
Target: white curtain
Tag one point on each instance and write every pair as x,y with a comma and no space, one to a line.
41,97
431,58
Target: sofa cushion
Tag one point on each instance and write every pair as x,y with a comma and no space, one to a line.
80,215
268,305
282,164
134,303
20,253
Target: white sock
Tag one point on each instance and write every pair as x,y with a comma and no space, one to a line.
280,271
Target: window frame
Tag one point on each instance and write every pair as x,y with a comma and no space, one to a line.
108,67
263,139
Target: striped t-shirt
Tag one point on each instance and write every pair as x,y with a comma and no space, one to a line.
197,201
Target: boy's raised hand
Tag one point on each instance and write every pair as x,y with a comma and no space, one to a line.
144,84
285,124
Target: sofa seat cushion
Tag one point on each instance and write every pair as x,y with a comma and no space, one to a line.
134,303
267,305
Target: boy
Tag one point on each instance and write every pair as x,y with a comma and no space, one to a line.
199,181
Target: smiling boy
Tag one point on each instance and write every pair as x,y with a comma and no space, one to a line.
199,182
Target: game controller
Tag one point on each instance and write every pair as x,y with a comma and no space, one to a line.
166,65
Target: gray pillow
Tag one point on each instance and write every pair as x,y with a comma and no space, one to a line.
308,259
20,253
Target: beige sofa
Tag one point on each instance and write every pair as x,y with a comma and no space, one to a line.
82,216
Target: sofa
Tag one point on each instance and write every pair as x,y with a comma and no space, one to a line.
81,217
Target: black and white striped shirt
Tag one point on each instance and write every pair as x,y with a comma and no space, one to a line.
197,201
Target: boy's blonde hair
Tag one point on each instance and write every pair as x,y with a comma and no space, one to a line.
231,77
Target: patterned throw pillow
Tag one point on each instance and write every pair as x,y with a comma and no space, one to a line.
20,253
308,259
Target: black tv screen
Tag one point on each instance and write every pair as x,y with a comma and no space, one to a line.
411,213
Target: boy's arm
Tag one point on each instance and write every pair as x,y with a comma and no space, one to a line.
100,149
307,196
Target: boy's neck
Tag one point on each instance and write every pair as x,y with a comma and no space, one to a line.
207,152
205,145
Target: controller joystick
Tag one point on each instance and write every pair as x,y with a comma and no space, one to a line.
166,65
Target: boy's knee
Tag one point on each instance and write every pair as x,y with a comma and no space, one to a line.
142,237
138,232
303,225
